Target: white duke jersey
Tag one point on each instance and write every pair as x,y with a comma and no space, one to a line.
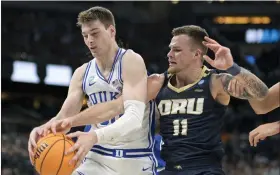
99,90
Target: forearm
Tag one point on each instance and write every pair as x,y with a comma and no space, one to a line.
131,121
98,113
71,106
264,106
253,85
271,101
277,127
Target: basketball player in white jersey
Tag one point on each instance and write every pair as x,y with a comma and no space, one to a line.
122,145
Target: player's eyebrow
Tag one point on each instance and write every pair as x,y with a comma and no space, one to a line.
90,30
174,47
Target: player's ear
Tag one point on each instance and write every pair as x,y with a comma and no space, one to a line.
198,54
112,30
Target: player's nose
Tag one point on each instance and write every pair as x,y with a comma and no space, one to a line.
169,55
91,42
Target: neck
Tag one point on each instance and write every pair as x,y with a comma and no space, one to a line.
187,76
106,60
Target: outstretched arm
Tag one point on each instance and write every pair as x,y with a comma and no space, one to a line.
269,103
105,111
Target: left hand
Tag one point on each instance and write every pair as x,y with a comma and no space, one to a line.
84,143
63,125
263,131
223,58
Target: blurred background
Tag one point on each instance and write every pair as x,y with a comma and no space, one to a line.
41,48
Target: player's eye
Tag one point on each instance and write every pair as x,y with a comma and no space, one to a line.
94,34
85,36
176,50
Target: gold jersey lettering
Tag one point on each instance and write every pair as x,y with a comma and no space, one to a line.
181,106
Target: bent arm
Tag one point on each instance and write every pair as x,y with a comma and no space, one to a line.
105,111
134,97
253,87
73,103
270,102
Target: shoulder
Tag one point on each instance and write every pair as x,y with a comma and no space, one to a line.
132,57
157,77
79,72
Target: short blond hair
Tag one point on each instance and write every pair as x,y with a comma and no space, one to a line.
195,32
104,15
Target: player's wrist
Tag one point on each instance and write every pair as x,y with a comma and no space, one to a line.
73,121
234,69
94,137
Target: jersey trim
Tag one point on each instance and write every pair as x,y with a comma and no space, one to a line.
122,153
120,67
85,76
98,72
204,73
151,124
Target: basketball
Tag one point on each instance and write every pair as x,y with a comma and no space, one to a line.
50,158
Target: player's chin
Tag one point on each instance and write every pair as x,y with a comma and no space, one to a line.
172,70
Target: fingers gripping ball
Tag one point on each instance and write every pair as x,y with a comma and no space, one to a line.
50,158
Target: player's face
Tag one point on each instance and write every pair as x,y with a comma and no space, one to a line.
181,54
97,38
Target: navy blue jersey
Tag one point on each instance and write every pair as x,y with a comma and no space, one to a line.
190,123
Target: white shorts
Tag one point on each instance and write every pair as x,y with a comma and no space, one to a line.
102,164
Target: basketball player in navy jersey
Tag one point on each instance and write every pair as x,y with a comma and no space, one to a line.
269,103
123,144
191,101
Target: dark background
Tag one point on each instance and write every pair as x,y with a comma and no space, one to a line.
45,33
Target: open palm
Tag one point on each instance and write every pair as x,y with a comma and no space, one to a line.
223,58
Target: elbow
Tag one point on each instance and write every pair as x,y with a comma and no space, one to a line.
263,92
260,111
263,109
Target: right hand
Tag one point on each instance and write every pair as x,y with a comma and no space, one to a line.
223,58
85,141
34,136
63,125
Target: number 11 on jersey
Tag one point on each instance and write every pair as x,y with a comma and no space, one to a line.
180,125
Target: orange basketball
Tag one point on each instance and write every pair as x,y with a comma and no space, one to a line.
49,158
